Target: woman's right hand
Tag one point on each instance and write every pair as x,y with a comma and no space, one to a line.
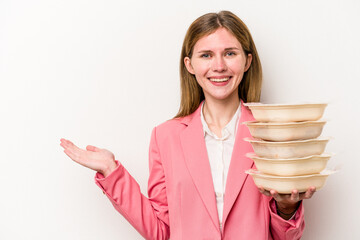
100,160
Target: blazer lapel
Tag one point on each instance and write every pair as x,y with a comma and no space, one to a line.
197,162
239,163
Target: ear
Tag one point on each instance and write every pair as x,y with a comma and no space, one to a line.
187,62
248,62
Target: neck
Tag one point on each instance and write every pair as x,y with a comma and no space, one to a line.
218,114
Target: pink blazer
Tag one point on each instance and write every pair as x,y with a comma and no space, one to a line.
182,204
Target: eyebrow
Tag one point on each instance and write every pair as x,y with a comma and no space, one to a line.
232,48
226,49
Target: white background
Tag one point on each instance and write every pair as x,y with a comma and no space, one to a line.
106,72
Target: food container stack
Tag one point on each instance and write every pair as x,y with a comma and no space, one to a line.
288,152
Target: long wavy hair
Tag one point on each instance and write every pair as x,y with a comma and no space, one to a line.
250,86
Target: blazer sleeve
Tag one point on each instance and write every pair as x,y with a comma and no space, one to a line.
286,229
149,216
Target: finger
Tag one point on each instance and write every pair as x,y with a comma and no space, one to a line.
70,155
294,195
66,143
75,153
63,145
275,195
263,191
71,146
310,192
92,148
76,158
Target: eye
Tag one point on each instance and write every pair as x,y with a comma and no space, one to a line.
230,54
205,55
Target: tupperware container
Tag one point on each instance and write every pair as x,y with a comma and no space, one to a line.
285,185
288,149
286,112
290,166
281,132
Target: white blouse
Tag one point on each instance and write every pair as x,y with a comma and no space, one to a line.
219,152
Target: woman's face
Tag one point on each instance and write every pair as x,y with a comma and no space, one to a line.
218,63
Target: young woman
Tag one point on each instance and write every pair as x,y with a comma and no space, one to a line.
197,187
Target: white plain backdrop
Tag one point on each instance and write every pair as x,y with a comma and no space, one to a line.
106,72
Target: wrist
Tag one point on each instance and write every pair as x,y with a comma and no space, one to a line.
287,207
108,169
286,211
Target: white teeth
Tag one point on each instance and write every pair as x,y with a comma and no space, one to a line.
219,79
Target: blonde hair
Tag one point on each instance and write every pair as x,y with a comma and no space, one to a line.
250,86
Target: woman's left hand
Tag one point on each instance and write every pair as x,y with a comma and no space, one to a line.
288,203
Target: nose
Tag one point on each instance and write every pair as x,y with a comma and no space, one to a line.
218,64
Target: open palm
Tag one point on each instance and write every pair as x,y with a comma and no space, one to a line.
97,159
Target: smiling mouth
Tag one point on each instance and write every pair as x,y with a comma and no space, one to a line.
219,79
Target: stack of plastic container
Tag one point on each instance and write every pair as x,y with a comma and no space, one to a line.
288,152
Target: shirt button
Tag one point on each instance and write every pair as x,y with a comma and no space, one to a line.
218,194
